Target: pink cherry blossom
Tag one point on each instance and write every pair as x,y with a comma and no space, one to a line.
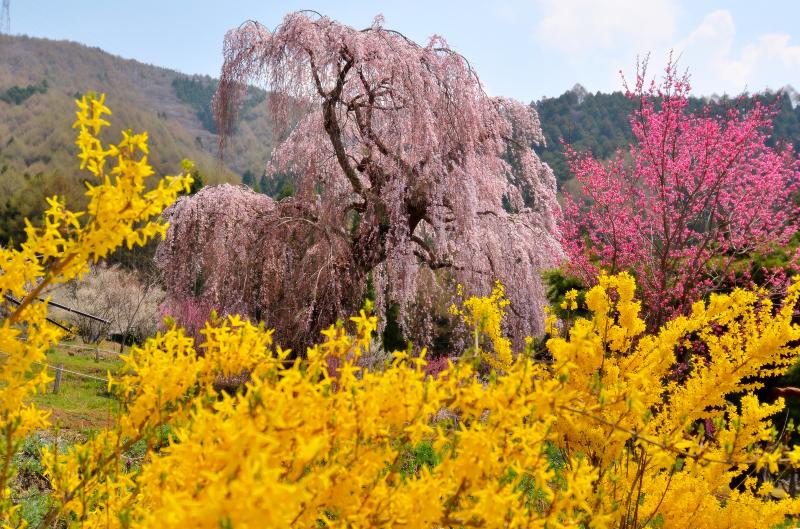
407,173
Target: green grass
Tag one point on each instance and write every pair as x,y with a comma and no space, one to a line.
81,403
81,406
30,488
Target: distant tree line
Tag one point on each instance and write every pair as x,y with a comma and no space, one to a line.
598,123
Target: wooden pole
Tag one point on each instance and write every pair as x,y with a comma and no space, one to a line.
57,381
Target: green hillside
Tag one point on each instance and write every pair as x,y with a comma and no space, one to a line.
39,79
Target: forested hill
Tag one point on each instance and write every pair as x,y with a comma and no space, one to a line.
600,122
39,79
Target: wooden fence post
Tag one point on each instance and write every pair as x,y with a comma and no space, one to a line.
57,381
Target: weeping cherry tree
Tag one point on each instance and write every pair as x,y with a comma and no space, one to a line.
409,179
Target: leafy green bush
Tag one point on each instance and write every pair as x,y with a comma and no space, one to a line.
31,487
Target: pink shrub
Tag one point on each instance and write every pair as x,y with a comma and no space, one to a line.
189,312
692,195
436,365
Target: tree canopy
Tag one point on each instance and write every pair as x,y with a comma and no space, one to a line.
407,173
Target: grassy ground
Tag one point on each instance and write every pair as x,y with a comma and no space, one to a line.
82,403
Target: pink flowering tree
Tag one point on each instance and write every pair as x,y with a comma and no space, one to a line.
692,196
407,175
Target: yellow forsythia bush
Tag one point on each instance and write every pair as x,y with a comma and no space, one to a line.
604,436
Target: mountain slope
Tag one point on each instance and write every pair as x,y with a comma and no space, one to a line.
40,78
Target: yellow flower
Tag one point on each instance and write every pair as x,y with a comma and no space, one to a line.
570,300
598,436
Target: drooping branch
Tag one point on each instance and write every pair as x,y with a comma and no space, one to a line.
399,136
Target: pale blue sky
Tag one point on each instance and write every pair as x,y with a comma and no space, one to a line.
521,48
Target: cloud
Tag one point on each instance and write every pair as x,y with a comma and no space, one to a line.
600,38
576,27
716,66
506,12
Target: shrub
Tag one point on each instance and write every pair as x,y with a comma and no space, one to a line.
128,302
694,194
191,312
601,437
122,208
